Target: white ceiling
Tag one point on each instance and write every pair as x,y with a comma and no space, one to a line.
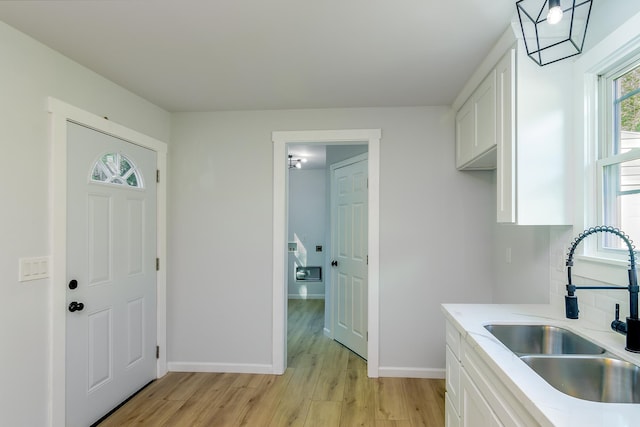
198,55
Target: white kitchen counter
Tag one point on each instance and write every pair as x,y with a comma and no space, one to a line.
546,404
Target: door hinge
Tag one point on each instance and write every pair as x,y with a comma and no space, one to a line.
157,175
367,259
157,264
367,336
157,352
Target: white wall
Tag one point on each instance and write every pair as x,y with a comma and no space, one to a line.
307,222
613,25
521,264
434,233
30,73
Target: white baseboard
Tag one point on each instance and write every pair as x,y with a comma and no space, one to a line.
236,368
327,333
309,296
410,372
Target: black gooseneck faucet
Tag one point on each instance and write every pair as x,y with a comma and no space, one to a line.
630,328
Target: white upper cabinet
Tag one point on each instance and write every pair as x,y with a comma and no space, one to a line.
518,120
476,128
534,138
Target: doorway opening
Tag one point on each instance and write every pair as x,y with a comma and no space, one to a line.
327,250
283,140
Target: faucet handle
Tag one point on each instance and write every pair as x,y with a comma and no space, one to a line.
617,325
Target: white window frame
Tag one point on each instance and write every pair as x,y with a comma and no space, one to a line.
615,49
607,137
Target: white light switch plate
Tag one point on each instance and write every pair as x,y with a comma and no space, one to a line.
33,268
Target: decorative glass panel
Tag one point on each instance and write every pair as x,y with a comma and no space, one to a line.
115,168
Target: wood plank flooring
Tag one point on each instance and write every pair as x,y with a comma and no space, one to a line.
325,385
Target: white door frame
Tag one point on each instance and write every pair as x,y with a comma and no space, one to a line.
59,114
280,179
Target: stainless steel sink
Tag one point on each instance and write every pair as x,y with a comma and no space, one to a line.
542,339
599,379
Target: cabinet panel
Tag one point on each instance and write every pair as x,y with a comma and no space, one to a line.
484,102
451,418
476,128
453,339
475,410
465,133
452,378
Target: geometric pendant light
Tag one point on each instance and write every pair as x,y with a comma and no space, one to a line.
553,29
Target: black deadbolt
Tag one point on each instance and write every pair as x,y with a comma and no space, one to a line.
73,284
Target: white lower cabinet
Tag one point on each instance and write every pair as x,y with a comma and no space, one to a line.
475,397
476,412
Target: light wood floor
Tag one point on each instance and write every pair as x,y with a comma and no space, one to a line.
324,385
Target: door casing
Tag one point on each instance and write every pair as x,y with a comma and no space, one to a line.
280,139
60,113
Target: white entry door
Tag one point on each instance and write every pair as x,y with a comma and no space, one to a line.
349,198
111,283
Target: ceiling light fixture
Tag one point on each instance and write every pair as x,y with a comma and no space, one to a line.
553,30
295,163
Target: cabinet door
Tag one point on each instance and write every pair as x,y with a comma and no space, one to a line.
452,378
451,418
475,410
465,133
484,104
506,150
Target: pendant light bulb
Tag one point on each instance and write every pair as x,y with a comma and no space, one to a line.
555,12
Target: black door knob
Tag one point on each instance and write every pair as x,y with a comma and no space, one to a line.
73,284
334,263
75,306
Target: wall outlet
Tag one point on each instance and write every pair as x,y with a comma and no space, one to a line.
33,268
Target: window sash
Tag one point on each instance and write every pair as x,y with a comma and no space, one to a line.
611,195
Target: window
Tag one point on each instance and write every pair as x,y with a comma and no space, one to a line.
116,168
619,163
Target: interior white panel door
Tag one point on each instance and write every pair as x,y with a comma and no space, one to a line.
349,253
111,289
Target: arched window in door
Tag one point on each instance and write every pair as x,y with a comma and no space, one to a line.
116,168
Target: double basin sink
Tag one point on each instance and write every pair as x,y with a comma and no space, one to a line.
571,363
